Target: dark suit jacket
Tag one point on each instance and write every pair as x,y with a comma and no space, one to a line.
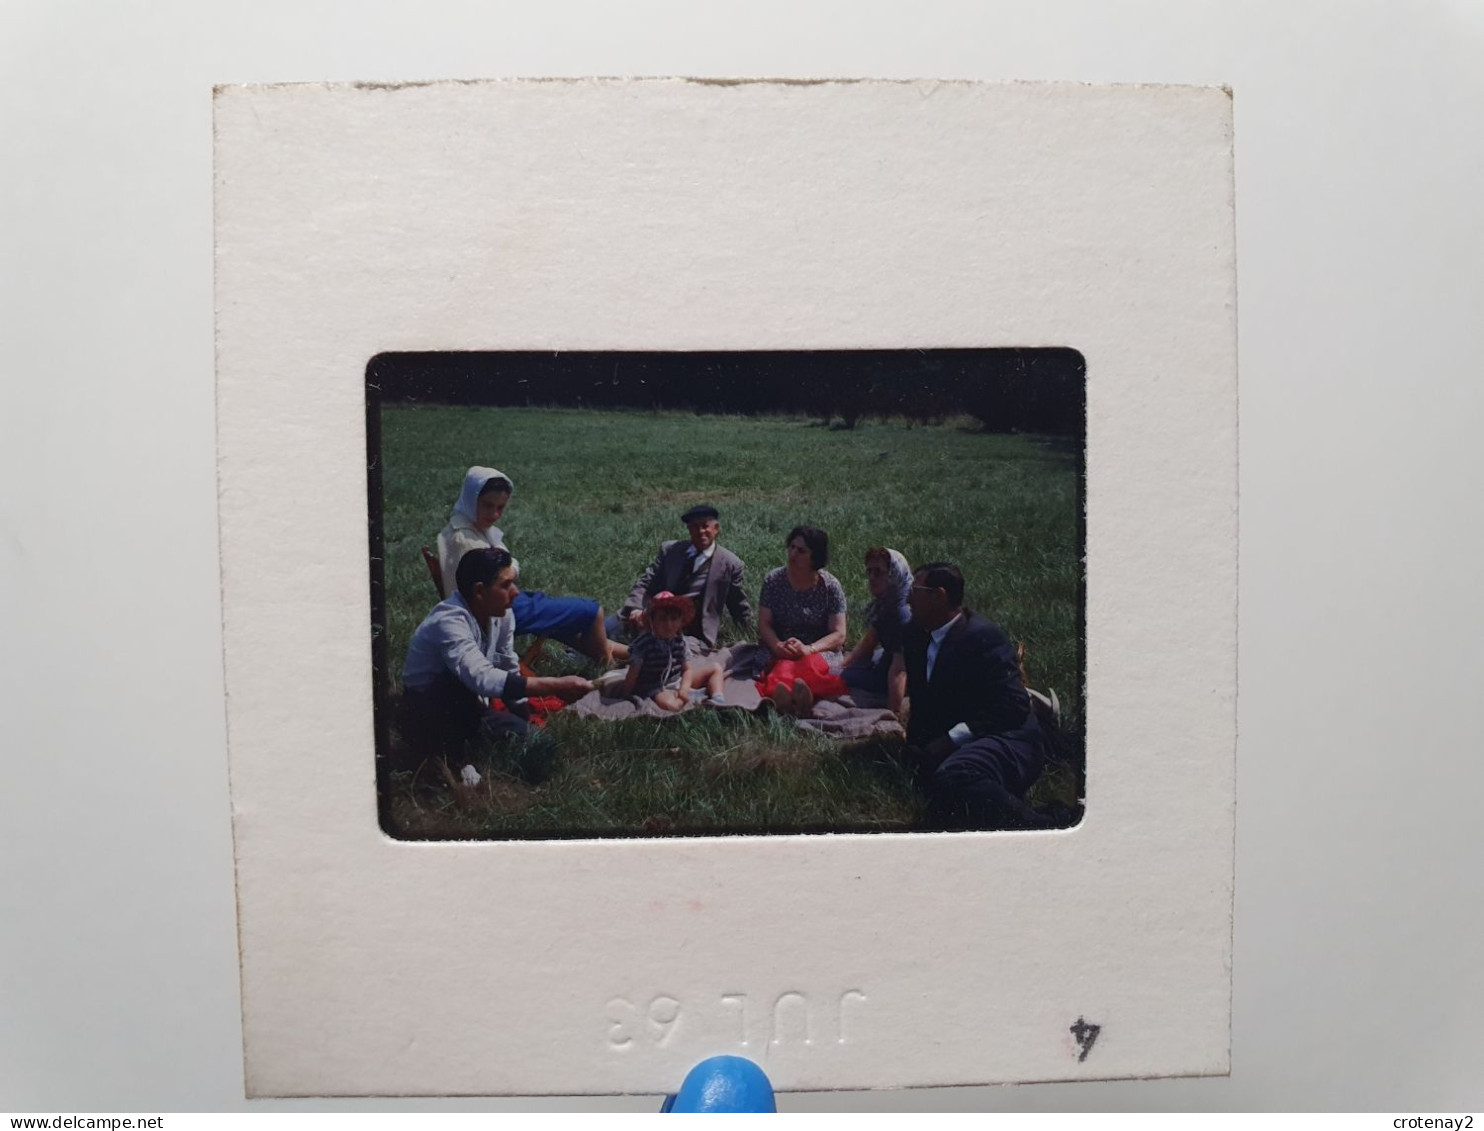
724,587
976,681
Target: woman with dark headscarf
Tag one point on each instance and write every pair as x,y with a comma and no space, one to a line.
801,621
575,621
889,578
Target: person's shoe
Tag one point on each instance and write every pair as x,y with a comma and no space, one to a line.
803,698
717,700
783,699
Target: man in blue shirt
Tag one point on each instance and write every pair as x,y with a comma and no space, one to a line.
462,656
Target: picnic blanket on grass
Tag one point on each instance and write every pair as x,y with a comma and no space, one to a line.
840,718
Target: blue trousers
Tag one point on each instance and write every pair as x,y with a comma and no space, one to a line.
562,618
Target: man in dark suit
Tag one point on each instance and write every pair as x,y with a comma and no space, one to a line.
978,743
709,574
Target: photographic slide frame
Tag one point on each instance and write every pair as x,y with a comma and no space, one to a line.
358,219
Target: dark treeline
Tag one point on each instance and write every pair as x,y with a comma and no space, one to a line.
1028,390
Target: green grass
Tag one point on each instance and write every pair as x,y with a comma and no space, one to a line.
596,493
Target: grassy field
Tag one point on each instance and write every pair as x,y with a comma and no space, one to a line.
596,493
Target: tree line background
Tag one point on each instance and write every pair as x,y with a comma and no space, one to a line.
1005,390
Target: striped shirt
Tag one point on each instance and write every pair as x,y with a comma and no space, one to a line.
660,662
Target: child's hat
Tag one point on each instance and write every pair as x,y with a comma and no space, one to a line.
667,600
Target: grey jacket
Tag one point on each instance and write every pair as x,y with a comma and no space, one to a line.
724,587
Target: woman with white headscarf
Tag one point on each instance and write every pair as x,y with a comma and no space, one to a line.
868,667
575,621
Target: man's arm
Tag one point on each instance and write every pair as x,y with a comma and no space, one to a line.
568,687
463,657
998,702
737,604
896,686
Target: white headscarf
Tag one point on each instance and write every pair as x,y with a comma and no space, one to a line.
466,510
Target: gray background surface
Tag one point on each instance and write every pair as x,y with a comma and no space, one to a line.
1360,155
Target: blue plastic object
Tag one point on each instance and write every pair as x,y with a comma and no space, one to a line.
723,1083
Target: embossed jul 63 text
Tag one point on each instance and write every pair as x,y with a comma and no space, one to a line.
790,1018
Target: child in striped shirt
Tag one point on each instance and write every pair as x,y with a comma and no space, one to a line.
658,668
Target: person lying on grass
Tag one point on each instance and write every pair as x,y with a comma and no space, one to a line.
658,668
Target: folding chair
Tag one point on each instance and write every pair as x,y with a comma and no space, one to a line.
435,571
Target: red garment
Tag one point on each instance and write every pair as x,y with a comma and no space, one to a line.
544,705
541,706
812,669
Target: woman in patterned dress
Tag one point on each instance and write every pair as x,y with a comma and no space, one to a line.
801,621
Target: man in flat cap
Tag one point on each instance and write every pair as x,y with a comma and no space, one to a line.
709,574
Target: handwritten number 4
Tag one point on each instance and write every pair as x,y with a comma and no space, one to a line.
1086,1034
